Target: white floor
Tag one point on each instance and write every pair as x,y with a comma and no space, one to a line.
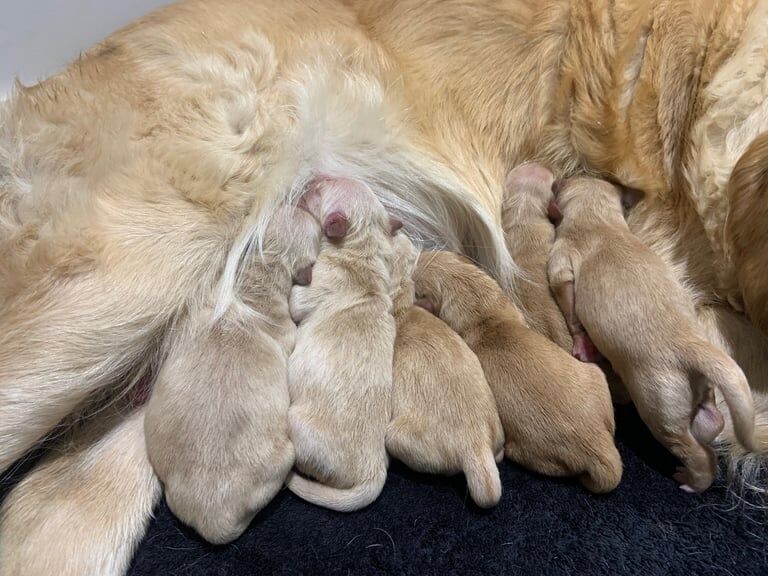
40,37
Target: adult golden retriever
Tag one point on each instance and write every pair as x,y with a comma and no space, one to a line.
132,183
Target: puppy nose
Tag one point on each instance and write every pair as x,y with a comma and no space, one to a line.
304,275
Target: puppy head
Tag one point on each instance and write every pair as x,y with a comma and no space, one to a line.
452,287
293,236
528,190
346,208
584,195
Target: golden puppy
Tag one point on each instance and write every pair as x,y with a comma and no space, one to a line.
216,423
527,211
85,507
340,374
642,321
444,418
556,411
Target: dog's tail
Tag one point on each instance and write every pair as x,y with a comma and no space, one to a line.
724,374
483,478
339,499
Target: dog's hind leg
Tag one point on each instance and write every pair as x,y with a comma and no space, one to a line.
86,506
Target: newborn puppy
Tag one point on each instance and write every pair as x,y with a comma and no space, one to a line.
645,325
216,423
527,211
340,374
444,418
556,411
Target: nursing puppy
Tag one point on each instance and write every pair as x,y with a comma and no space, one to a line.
216,423
527,214
340,374
444,418
85,507
556,411
642,321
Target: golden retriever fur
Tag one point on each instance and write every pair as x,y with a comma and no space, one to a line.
556,412
444,417
217,420
642,321
132,182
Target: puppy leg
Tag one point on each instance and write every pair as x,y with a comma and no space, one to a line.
58,347
561,279
665,402
85,507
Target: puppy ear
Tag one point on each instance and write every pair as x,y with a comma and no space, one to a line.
335,225
394,225
630,197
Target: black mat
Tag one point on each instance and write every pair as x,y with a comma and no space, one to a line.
424,525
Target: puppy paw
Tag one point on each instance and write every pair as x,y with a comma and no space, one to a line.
584,349
682,477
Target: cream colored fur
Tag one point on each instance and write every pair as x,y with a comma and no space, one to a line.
444,417
644,324
132,184
530,235
84,509
556,412
340,373
216,424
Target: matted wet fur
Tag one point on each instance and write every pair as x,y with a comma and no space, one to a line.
444,417
605,279
556,412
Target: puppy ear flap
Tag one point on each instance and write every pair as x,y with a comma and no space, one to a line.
630,197
394,225
335,225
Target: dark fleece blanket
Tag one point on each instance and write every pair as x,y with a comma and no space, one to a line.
425,525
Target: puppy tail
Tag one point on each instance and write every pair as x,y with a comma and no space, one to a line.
725,375
605,471
483,478
339,499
